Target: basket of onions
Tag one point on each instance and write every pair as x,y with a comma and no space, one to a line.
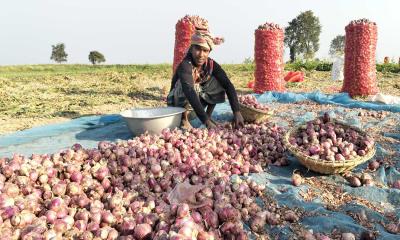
329,146
252,110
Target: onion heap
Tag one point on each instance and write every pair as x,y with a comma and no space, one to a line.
121,190
251,101
324,139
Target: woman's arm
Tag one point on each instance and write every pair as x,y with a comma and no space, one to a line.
185,75
223,79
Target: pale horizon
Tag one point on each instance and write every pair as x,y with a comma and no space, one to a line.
129,32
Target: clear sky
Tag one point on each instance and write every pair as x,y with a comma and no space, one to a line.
129,31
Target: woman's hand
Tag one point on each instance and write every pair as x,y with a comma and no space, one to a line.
210,123
238,120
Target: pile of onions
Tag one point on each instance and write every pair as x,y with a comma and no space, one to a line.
120,190
251,101
325,139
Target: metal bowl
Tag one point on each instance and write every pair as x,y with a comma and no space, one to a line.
152,120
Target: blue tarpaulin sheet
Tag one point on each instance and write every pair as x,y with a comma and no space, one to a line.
88,131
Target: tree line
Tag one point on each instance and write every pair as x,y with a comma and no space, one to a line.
59,55
302,37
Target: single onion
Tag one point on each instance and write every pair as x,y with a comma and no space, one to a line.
142,231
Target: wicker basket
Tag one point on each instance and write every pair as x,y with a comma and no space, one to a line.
324,166
254,115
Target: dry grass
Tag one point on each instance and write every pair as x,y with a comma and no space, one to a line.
42,94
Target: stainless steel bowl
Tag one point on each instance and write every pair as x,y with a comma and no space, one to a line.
152,120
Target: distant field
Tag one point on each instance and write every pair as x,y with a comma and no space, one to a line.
33,95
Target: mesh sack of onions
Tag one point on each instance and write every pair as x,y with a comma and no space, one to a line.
268,57
359,63
184,30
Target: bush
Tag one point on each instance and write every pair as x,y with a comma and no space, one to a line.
324,66
309,66
327,66
388,67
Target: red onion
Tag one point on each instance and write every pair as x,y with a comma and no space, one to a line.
211,218
156,169
128,226
128,177
60,226
76,176
62,212
69,220
56,204
11,190
112,234
183,210
95,217
51,216
43,179
82,215
107,217
373,165
297,180
142,231
396,184
8,212
92,227
196,217
258,222
6,201
102,173
80,225
59,189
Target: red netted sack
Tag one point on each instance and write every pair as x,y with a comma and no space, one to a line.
359,62
268,56
297,76
184,30
250,84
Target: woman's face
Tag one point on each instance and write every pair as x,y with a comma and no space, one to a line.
199,54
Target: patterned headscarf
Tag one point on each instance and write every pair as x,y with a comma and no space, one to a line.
203,37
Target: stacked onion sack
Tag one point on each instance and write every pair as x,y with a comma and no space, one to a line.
175,185
268,51
359,63
184,29
324,139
